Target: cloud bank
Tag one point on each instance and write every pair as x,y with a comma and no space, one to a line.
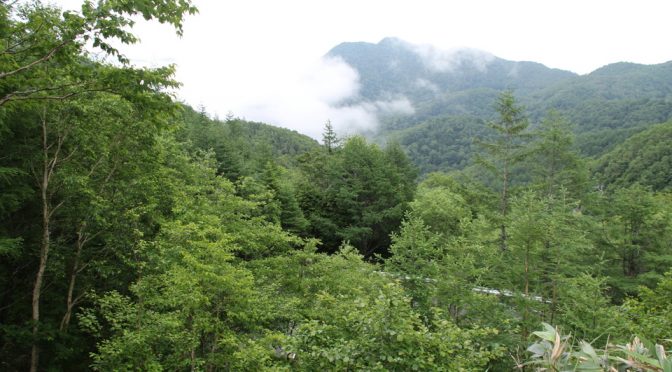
448,60
322,91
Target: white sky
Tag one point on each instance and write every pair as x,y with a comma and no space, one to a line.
261,59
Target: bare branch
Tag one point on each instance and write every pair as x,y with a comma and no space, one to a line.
66,158
54,160
44,58
95,165
54,209
27,95
88,238
109,175
78,298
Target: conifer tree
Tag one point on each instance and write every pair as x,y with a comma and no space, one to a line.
504,151
554,162
329,137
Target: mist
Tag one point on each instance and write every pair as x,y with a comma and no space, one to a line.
448,60
305,100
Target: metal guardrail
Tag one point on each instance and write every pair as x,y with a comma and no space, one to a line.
484,290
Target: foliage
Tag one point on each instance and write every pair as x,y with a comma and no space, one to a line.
644,158
554,162
357,194
650,313
329,138
242,148
584,308
137,233
339,312
190,296
441,143
556,352
634,231
504,151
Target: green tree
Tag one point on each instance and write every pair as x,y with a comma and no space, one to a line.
504,151
278,182
547,244
555,164
191,303
188,293
358,194
329,138
586,311
418,258
643,158
44,65
650,313
40,41
634,233
337,311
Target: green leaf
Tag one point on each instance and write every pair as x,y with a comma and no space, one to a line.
548,334
588,349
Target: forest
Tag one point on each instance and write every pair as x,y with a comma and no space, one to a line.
138,233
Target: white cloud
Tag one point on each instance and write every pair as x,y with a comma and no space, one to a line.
399,105
426,84
304,102
364,117
447,60
330,80
514,70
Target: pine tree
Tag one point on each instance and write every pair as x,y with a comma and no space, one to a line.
505,151
554,162
329,138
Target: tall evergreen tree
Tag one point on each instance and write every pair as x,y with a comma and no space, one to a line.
329,137
554,162
504,151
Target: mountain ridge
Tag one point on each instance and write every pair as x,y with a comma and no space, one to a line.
607,105
394,66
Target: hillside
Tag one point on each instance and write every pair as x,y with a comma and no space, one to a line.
241,146
441,143
611,103
458,88
423,74
645,158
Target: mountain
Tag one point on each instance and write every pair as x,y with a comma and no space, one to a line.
453,93
645,158
395,67
611,103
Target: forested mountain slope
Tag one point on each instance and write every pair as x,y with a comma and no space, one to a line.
241,146
645,158
457,88
423,74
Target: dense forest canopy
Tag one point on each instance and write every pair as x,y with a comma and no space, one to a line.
137,233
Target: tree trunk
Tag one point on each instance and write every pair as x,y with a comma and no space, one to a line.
44,247
37,289
504,208
554,301
70,303
527,290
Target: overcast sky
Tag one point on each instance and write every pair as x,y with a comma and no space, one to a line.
262,60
